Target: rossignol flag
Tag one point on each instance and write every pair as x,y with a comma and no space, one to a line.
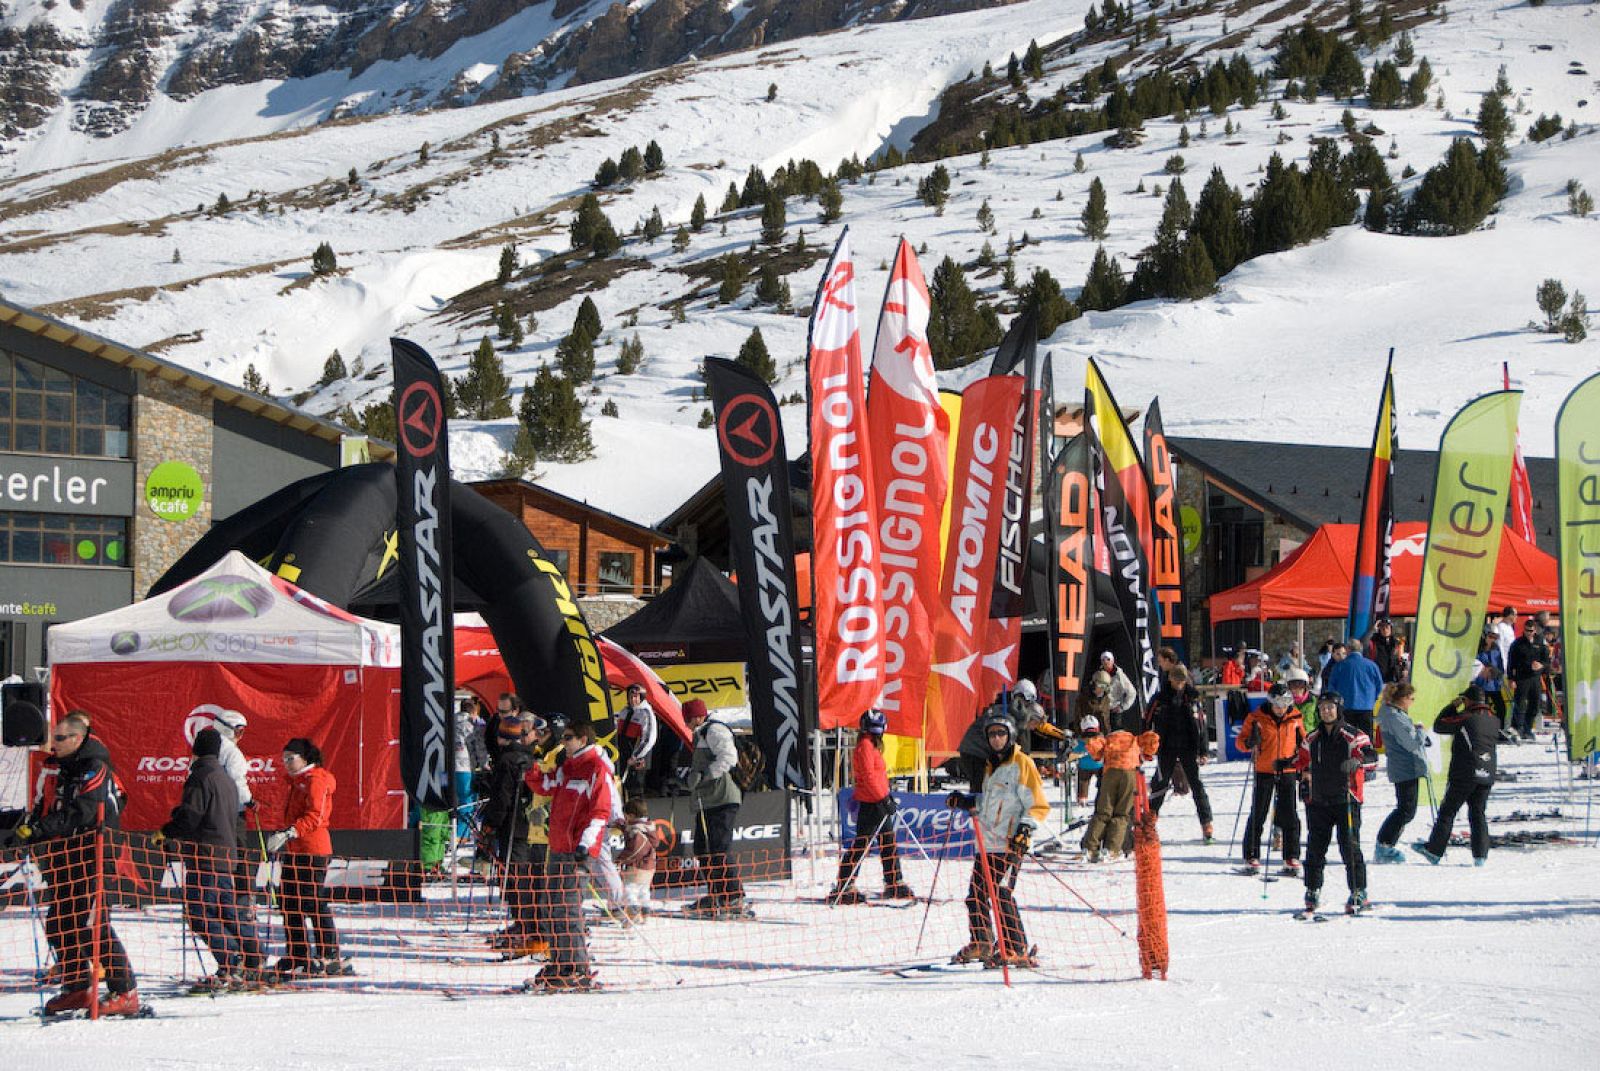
1578,513
908,433
1470,489
1521,519
427,605
1069,501
1124,501
1166,560
1009,599
982,439
1371,578
755,483
847,608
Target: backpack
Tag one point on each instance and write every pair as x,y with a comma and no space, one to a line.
747,774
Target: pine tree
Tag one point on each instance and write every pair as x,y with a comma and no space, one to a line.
654,225
587,320
1494,122
324,261
934,188
767,284
730,200
1096,221
377,421
1104,287
1418,84
1404,51
831,201
956,329
332,369
606,174
253,382
697,215
753,355
575,357
733,277
1456,194
1043,295
680,239
630,165
609,408
483,391
986,217
755,188
653,160
1279,215
553,417
1193,275
521,462
774,219
509,263
1033,61
1552,298
630,356
591,230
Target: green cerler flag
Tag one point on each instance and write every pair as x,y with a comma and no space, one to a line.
1470,490
1578,483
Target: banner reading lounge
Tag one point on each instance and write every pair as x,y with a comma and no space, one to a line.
1470,490
1578,483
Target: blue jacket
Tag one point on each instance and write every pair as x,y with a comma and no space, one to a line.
1358,680
1402,744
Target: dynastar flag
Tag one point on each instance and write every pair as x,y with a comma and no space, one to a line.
1009,600
427,606
755,485
1371,578
1128,530
1578,483
1469,499
1166,562
847,610
1069,500
909,440
1521,517
977,487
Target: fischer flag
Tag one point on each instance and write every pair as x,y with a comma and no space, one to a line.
988,415
1578,511
908,435
1069,501
1166,561
1371,579
755,487
1125,524
847,608
422,519
1521,519
1009,599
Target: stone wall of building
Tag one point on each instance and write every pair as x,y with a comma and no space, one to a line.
170,423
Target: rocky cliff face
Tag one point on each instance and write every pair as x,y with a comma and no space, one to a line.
106,61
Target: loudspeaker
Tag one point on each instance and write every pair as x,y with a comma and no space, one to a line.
22,722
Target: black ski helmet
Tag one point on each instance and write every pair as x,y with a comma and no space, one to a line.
996,719
557,724
1278,695
874,722
1333,698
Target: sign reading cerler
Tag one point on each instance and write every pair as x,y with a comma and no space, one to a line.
81,485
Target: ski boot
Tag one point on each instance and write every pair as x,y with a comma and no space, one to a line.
334,966
568,982
1313,898
524,945
222,982
1480,860
1020,960
1291,868
1387,853
66,1001
974,952
1206,834
125,1003
899,891
1357,902
1094,855
1421,848
845,895
735,907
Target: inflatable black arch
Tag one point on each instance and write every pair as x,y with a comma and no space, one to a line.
333,535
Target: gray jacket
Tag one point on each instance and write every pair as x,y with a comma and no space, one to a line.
714,759
1403,744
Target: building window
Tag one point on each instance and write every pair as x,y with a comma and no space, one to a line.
559,559
59,539
616,571
46,411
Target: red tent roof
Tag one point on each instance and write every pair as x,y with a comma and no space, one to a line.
1314,581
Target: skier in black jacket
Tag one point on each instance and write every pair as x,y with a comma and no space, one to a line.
1179,719
86,802
505,819
204,821
1333,760
1526,664
1474,732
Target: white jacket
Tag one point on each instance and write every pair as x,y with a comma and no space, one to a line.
238,768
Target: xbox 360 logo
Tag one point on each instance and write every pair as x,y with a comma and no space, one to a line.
173,491
124,643
220,598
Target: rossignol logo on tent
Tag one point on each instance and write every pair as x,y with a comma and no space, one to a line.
220,598
201,717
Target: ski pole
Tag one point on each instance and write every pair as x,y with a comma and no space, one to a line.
35,924
261,839
1266,866
1095,911
854,869
937,863
1239,811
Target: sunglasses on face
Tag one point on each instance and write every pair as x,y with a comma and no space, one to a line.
58,737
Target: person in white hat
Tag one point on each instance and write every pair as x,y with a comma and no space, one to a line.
230,726
1125,711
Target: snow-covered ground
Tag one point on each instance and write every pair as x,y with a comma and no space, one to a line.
1459,966
1291,346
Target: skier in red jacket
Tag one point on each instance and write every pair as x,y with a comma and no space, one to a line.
874,819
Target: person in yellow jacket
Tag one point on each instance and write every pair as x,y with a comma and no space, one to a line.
1007,812
1122,752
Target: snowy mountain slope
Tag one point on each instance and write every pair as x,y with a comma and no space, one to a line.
1290,347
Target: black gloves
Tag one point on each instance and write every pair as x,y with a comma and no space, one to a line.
1282,765
961,801
1021,841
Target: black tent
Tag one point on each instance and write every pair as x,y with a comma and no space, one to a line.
695,620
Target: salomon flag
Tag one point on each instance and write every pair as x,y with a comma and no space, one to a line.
909,437
1166,560
1578,498
755,486
422,520
1126,525
982,449
1370,580
847,610
1069,502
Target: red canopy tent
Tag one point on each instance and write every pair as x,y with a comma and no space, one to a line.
1314,581
480,670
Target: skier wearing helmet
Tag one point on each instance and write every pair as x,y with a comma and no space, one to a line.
1006,814
1334,759
1272,734
874,819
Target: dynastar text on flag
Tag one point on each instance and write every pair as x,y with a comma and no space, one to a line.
848,611
909,436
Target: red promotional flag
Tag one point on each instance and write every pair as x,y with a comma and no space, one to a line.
1521,520
847,612
988,414
909,436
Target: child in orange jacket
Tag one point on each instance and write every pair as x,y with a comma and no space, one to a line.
1122,753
